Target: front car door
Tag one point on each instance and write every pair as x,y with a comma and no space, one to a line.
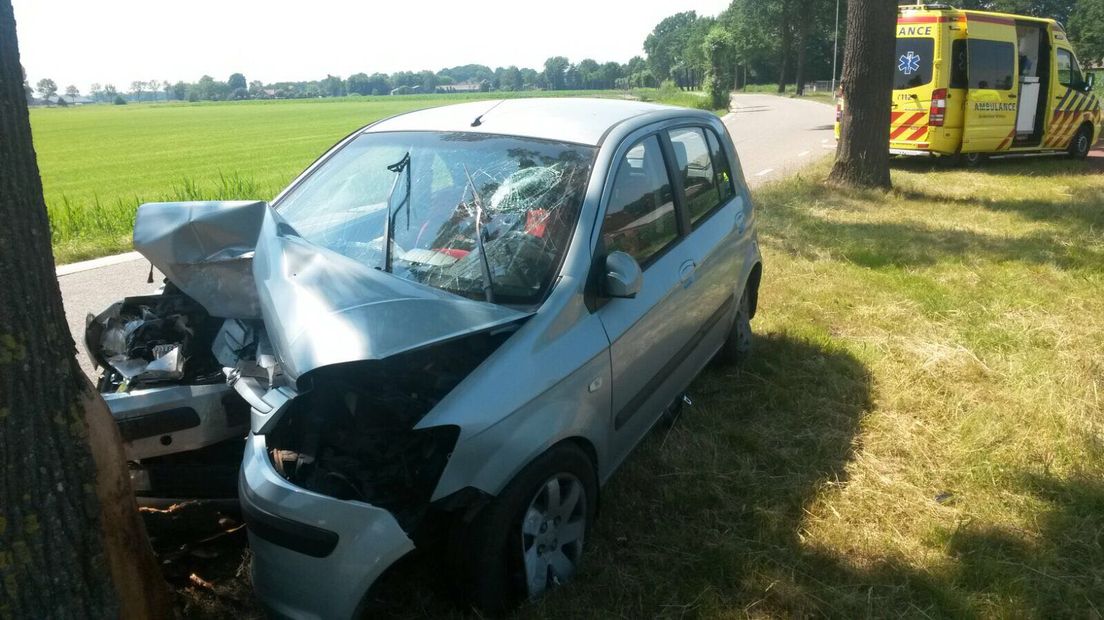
642,220
991,98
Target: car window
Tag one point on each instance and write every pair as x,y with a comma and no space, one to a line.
1069,73
525,193
695,165
640,218
721,168
992,64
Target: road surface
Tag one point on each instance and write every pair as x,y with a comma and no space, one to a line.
774,136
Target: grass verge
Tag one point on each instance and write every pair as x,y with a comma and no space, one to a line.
920,432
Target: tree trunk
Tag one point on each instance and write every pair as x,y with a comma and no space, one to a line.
799,70
784,54
71,540
786,42
862,159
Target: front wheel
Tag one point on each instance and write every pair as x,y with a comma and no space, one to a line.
1081,143
531,537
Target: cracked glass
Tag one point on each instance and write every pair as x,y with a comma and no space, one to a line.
528,193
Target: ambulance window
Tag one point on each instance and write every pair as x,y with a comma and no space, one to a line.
914,63
960,68
1068,71
992,64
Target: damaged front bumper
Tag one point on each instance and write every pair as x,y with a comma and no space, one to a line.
315,556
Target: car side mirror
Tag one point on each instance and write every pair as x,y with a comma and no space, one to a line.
623,276
1090,81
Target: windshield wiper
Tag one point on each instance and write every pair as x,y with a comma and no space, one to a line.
485,265
403,165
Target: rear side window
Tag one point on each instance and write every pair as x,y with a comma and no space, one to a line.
992,64
720,166
914,62
695,164
960,65
640,219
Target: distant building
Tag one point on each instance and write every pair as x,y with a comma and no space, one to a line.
463,87
67,100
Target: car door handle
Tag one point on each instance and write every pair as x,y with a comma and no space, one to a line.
686,273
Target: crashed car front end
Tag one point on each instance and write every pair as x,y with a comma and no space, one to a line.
340,325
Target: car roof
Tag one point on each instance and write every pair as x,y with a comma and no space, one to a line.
566,119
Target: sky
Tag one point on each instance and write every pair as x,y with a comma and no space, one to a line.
82,42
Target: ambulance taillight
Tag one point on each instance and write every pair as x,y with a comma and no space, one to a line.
937,113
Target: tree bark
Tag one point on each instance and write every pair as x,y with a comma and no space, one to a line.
785,33
799,69
862,158
784,55
72,544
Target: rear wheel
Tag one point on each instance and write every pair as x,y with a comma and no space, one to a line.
531,537
737,348
971,160
1081,143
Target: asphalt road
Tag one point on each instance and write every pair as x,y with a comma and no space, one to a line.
774,136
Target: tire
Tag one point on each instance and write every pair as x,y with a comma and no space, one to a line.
737,347
492,552
1081,144
971,160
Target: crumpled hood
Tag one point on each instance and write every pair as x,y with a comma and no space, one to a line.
205,249
319,307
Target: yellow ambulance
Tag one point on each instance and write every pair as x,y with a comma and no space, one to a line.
969,84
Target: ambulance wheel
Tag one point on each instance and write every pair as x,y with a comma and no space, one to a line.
1079,146
972,160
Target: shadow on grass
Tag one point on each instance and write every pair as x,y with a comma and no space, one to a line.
1062,569
709,512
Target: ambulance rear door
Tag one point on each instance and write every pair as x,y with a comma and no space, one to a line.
991,96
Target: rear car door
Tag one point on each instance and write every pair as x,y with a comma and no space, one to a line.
718,238
991,98
641,219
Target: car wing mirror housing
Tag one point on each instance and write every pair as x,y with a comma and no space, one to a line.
1090,81
623,276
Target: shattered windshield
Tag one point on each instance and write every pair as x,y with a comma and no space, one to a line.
526,193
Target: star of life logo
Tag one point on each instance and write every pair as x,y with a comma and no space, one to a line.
909,63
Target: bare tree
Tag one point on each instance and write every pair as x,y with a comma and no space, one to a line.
71,542
862,159
136,87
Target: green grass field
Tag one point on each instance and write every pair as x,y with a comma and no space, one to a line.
98,163
920,432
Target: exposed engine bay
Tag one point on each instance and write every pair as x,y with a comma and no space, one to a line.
153,339
351,434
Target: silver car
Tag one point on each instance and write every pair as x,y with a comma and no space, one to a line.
462,320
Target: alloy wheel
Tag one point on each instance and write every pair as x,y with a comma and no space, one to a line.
552,533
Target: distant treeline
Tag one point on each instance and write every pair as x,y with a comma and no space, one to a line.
751,41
